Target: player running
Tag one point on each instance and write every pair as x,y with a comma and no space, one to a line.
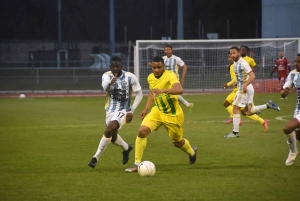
291,128
229,99
243,100
173,63
118,85
164,88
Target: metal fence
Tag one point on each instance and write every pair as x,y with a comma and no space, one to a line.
71,76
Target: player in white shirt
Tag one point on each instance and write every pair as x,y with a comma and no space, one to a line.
119,86
173,63
291,128
243,100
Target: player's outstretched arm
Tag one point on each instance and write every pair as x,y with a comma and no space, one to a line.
150,101
184,70
175,90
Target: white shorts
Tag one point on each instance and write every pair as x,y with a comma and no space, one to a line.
242,99
119,116
297,113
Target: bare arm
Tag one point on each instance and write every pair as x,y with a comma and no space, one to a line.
285,92
184,70
150,101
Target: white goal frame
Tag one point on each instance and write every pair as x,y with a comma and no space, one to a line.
264,63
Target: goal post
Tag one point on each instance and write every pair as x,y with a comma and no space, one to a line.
207,61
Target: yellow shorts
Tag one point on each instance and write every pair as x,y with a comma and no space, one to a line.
231,96
173,124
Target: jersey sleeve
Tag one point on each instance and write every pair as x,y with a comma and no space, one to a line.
232,75
105,80
173,78
252,63
179,61
246,67
135,83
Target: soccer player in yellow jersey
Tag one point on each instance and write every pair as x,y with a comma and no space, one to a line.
164,88
244,53
172,63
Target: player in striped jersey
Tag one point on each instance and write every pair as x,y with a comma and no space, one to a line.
164,88
243,100
173,63
291,128
230,97
119,86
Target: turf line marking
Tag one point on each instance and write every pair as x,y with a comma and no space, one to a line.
281,118
91,125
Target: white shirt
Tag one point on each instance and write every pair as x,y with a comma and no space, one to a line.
119,93
241,70
172,63
294,79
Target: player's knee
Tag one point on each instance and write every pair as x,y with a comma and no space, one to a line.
226,104
142,133
287,130
110,131
178,144
243,112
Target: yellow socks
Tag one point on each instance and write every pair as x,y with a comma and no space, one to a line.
255,117
229,110
187,148
140,145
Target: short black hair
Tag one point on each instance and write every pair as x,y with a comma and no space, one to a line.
235,47
298,55
168,45
114,58
158,59
246,47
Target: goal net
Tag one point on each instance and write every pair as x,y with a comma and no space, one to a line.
207,61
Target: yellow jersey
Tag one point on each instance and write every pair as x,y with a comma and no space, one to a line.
250,61
166,103
232,75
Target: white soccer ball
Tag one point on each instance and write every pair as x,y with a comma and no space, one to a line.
22,96
146,169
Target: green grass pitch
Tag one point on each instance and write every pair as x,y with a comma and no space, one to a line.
46,143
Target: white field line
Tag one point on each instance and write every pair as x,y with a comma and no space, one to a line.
281,118
284,118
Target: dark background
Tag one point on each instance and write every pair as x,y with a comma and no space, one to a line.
89,19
